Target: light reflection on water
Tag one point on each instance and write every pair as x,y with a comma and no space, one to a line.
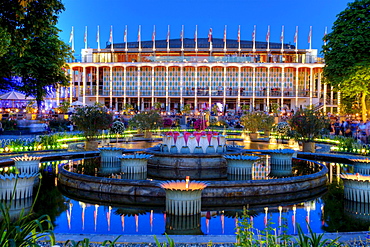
83,218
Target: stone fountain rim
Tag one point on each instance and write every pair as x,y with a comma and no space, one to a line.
155,151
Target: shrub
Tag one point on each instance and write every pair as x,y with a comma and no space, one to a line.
308,124
92,119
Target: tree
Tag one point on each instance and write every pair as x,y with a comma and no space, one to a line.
347,52
91,119
307,125
146,121
34,63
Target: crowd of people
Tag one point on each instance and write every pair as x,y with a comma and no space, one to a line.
353,128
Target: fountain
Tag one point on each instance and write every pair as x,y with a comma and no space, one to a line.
27,164
281,156
110,154
361,166
19,184
183,198
356,187
240,164
135,163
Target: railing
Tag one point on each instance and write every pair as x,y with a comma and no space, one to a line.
205,93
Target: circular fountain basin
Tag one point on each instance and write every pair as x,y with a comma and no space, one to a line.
228,192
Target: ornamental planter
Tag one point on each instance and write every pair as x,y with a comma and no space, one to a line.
308,147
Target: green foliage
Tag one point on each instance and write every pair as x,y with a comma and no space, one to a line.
4,41
314,240
37,55
127,108
186,109
169,243
147,120
282,129
307,124
58,125
25,230
247,236
347,52
9,124
30,106
63,107
82,243
91,119
117,127
48,140
257,120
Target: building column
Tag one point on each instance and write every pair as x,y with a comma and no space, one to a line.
138,89
124,86
153,87
311,86
210,90
83,86
57,92
71,85
296,87
110,87
167,102
195,89
338,102
224,94
181,88
97,85
325,96
253,89
237,108
282,85
268,91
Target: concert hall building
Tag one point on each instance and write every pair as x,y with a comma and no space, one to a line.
200,72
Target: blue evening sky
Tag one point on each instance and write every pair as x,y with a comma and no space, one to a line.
206,14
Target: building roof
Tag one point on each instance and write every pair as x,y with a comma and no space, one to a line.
202,43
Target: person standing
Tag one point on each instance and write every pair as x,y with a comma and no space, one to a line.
337,127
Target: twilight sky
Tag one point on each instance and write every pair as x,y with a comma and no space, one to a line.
206,14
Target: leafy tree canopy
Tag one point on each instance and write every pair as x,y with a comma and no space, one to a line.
91,119
347,51
35,58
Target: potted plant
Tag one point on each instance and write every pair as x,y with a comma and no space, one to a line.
117,128
257,120
275,111
91,120
307,125
146,121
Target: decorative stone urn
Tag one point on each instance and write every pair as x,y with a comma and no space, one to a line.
356,187
21,183
309,147
361,166
183,197
110,154
27,164
240,164
281,156
135,163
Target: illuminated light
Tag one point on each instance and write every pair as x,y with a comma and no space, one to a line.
7,149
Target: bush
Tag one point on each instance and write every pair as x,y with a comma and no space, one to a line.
167,122
57,125
92,119
307,124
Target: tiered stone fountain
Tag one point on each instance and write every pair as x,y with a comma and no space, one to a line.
356,187
240,166
361,166
191,154
27,164
17,188
281,162
183,198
